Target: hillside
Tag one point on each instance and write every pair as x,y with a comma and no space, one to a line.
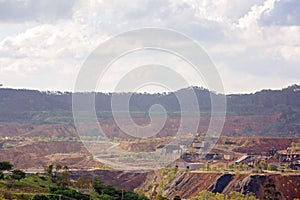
262,125
44,151
27,102
35,107
189,184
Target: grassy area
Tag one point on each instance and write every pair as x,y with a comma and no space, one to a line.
30,184
34,183
58,185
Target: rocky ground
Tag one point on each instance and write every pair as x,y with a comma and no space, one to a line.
32,147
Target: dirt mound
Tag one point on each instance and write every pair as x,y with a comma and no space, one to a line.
234,126
44,130
39,154
261,145
119,179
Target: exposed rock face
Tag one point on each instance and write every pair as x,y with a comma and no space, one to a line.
178,180
221,183
252,184
189,184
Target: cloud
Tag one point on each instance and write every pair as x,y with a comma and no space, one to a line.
285,13
26,10
225,11
251,18
257,39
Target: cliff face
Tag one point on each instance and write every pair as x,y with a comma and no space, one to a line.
221,183
252,184
188,185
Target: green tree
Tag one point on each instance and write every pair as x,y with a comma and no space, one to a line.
263,165
219,196
83,182
272,167
250,196
236,195
239,196
58,167
63,178
49,170
40,197
276,155
4,165
18,174
231,166
204,195
67,193
106,197
240,166
111,193
1,175
206,167
160,197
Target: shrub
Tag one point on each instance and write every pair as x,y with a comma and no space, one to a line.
70,193
1,175
263,165
272,167
231,166
159,197
18,174
110,193
40,197
43,178
6,194
5,165
232,196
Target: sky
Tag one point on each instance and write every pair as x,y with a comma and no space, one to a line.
254,44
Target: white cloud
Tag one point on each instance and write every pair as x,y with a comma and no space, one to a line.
285,13
250,20
23,10
239,36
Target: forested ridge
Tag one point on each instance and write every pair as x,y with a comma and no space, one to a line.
21,105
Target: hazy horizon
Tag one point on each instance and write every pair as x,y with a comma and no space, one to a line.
148,92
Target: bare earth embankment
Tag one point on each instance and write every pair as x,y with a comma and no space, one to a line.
29,147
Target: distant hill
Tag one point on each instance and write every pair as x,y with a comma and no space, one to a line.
32,106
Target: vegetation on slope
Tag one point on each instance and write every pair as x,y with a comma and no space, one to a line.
56,184
35,107
25,105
